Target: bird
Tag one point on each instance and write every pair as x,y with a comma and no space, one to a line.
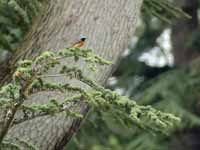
80,43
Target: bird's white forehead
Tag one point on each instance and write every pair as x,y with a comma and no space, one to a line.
83,36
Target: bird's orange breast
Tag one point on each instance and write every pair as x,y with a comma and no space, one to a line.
78,44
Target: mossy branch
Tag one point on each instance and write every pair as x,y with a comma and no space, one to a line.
28,80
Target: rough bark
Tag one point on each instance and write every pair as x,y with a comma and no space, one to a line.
108,25
182,32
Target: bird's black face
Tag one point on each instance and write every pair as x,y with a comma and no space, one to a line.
83,39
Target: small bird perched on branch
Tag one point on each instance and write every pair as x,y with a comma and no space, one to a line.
79,43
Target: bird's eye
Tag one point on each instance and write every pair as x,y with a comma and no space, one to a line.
83,39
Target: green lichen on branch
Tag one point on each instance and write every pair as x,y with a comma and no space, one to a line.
14,144
30,79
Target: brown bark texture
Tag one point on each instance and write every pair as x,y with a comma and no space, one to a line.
108,26
182,32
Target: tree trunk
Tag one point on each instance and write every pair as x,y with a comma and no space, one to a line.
107,24
182,32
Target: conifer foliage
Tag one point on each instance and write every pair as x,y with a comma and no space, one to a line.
29,79
15,18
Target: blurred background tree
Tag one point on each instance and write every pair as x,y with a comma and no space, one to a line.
15,18
160,68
